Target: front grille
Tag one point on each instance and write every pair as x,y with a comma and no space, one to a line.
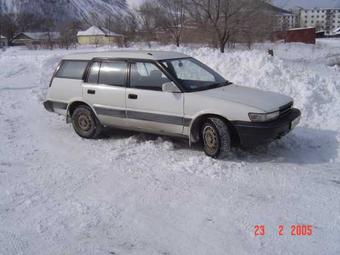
285,109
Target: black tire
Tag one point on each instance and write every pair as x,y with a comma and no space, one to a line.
215,138
85,122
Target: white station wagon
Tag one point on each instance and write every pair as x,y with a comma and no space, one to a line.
166,93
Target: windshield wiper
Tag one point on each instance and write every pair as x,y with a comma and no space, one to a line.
212,86
221,84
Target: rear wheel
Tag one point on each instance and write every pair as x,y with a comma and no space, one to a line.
85,122
216,138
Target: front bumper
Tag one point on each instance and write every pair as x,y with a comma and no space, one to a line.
257,133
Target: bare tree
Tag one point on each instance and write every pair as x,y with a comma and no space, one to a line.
68,34
49,27
97,40
8,26
129,27
258,22
174,17
228,18
150,19
27,21
221,15
126,25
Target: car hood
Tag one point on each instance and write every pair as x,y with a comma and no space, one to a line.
263,100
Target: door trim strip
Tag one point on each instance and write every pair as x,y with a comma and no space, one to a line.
146,116
110,112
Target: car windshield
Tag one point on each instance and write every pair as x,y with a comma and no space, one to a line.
193,75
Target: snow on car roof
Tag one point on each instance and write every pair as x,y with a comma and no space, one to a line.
129,54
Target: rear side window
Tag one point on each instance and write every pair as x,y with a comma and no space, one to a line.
72,69
113,73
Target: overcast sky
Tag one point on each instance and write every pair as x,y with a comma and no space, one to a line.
284,3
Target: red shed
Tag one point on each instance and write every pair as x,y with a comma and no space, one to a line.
303,35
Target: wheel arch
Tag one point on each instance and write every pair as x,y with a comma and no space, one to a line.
196,125
73,105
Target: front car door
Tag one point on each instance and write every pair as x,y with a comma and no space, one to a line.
104,88
148,107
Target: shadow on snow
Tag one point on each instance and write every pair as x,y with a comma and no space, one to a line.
303,146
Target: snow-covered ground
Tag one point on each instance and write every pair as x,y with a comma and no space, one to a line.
132,193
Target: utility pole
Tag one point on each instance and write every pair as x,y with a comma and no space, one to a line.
0,28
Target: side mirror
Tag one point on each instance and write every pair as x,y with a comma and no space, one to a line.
170,87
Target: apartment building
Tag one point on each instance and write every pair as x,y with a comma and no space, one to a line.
287,20
322,19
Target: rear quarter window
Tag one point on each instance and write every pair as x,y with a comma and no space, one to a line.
72,69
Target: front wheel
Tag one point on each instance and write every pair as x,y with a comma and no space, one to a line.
85,122
216,138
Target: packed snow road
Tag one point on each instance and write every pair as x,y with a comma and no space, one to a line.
131,193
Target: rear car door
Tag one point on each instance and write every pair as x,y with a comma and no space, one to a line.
104,88
148,107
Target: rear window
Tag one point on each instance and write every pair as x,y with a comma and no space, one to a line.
72,69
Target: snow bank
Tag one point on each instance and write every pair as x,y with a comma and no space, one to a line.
144,194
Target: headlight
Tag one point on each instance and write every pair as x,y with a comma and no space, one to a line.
262,117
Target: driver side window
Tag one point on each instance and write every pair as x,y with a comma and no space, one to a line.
145,75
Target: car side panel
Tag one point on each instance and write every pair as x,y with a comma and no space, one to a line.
108,102
155,111
61,92
196,105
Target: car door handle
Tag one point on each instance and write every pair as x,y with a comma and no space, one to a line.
133,96
91,91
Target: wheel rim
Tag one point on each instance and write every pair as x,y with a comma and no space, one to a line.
84,122
210,138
